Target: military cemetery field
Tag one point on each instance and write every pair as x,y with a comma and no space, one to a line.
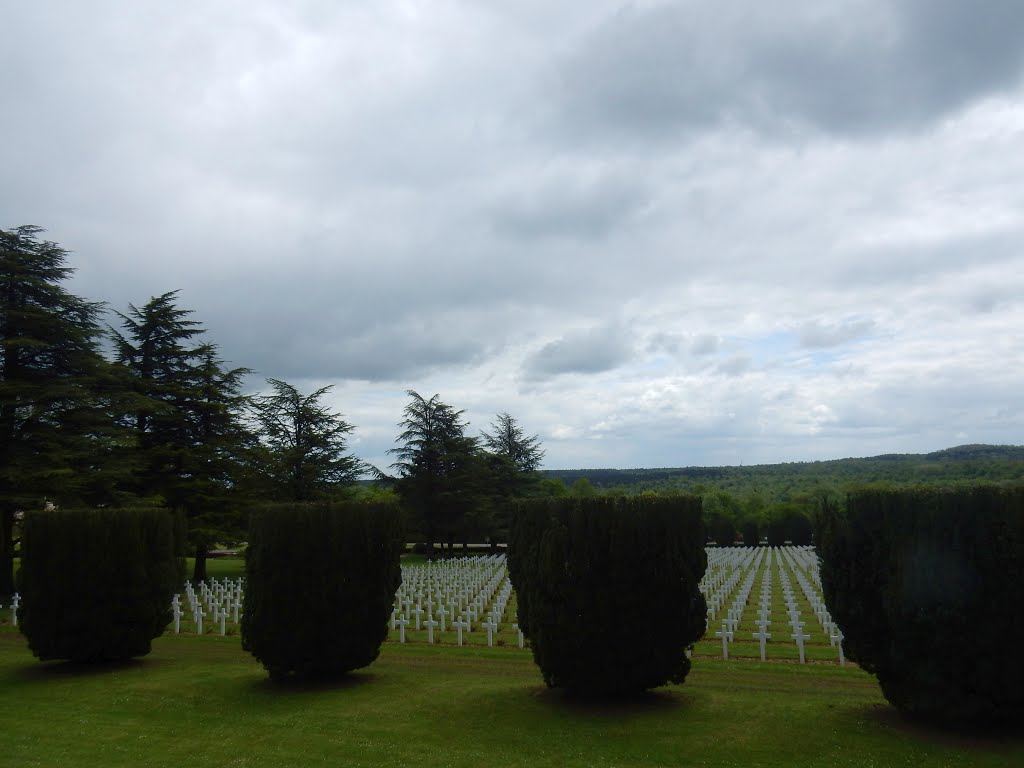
203,702
431,699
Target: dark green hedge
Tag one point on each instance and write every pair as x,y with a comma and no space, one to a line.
607,588
926,586
320,583
96,585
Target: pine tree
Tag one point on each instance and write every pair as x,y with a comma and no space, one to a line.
440,470
304,454
513,459
187,415
49,365
509,440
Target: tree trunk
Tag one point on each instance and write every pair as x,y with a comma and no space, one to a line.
199,572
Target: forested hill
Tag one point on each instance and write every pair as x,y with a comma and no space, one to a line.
782,482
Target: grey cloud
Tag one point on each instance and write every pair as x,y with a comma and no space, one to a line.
587,208
705,344
734,366
592,351
852,68
815,335
698,345
347,193
916,263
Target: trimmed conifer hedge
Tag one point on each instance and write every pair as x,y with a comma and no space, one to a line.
320,583
96,584
926,586
607,588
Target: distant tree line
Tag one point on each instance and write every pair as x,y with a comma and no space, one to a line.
148,414
775,503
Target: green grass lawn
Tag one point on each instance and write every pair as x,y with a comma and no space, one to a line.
205,702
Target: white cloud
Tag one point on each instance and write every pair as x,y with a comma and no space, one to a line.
663,234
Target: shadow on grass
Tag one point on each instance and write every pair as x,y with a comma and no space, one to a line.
964,735
292,685
610,705
57,670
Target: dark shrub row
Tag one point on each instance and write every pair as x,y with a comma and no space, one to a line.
927,587
96,585
321,580
607,588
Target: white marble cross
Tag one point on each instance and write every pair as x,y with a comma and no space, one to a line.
490,625
838,637
459,625
762,635
402,624
800,637
430,624
726,636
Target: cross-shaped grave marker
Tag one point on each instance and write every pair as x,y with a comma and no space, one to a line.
459,625
800,637
726,636
762,635
402,624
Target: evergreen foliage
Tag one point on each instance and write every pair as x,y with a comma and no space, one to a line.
508,439
185,410
593,574
321,579
96,584
51,431
442,474
926,586
304,453
512,461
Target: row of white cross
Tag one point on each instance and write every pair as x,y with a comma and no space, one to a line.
461,594
474,593
730,575
219,600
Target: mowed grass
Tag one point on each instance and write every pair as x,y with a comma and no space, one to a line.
205,702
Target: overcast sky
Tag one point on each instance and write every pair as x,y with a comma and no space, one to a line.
656,233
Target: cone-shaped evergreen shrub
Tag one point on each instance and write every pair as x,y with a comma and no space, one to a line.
926,587
320,582
96,584
607,588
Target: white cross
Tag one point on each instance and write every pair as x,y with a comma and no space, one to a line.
800,637
490,625
520,633
402,624
726,636
460,624
838,636
430,624
762,635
